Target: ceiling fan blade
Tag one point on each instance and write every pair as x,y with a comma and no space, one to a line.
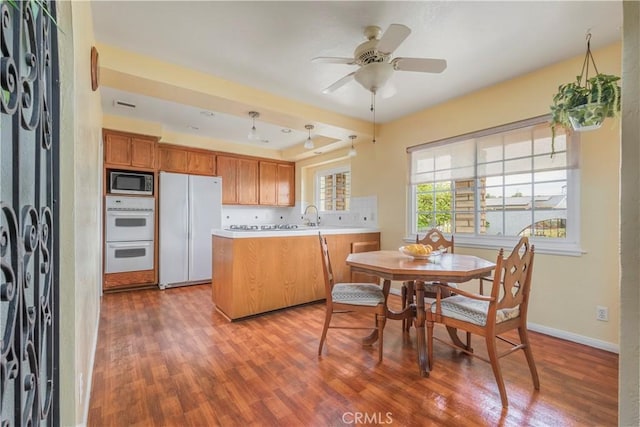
424,65
343,81
333,60
391,39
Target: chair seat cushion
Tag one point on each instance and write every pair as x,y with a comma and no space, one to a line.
357,294
472,310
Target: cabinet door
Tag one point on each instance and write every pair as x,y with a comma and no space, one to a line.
247,182
268,183
143,153
173,160
286,185
227,168
117,150
201,163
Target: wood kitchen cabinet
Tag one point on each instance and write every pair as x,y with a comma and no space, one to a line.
268,183
247,181
276,184
178,159
286,185
282,272
201,163
227,168
123,149
173,159
239,180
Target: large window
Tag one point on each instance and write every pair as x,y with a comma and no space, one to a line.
333,190
498,184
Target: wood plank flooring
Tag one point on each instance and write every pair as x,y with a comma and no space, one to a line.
167,358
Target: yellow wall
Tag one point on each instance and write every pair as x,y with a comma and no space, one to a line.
566,289
80,210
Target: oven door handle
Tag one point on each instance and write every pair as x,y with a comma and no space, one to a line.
118,245
129,213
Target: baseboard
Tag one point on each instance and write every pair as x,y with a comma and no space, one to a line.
569,336
564,335
89,381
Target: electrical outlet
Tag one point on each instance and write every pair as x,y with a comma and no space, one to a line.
602,313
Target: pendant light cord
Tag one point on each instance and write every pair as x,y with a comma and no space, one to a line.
373,110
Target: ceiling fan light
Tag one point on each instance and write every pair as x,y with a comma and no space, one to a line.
374,76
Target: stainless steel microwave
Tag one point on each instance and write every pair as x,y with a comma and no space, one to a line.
124,182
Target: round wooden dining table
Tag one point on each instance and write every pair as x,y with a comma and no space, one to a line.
395,266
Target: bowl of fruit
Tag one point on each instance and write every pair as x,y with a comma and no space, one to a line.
417,250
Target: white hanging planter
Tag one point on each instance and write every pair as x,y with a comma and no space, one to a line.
587,116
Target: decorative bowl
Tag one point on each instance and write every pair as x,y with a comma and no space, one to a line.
405,251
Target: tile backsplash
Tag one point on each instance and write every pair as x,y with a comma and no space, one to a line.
363,213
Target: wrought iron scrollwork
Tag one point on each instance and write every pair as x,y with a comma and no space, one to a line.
28,231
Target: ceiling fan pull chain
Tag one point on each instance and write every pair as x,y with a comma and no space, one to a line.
373,110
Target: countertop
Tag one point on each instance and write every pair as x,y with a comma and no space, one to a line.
301,231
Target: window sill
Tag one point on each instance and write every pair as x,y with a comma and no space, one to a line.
542,246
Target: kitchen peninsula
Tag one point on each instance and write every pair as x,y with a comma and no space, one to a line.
259,271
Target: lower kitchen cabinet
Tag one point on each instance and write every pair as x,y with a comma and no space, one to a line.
257,275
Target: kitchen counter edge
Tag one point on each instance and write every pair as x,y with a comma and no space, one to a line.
292,233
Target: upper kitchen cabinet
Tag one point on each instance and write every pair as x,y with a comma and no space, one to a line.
239,180
276,184
286,184
201,163
268,183
179,159
123,149
247,181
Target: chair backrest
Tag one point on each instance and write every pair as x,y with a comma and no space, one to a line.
512,279
436,239
366,246
326,267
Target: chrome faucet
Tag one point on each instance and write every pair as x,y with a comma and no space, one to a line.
313,224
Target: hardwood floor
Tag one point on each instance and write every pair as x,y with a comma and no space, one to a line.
167,358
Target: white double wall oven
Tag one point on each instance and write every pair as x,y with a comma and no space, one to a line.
129,234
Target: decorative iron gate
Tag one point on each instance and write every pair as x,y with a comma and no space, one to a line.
29,127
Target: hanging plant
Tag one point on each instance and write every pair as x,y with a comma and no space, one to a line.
584,104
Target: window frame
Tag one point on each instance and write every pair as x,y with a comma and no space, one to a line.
316,187
570,245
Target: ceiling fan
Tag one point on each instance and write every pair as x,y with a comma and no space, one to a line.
374,59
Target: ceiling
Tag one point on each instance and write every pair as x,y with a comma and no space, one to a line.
269,46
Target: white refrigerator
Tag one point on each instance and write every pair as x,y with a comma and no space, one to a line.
190,207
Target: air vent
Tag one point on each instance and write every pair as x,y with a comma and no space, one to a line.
123,104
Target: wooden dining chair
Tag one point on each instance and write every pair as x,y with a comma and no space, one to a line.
491,315
436,239
365,246
351,297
